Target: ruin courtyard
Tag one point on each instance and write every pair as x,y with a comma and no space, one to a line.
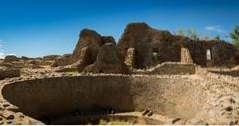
149,76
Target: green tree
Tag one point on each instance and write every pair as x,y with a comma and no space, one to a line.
235,36
218,38
192,34
181,32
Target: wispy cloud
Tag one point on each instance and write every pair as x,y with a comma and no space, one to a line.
2,55
2,52
215,28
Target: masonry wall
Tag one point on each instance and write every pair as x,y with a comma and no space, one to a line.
170,95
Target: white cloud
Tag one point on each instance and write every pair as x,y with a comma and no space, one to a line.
2,54
215,28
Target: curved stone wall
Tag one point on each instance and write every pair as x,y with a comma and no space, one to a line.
168,95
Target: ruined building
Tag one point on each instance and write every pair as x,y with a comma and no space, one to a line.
149,77
141,46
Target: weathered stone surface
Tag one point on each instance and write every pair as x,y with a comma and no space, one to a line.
108,61
9,72
186,56
137,36
90,39
130,58
84,59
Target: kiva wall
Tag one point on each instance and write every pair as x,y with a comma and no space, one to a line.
56,96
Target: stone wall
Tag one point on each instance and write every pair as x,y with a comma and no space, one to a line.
147,41
170,68
217,76
186,56
170,95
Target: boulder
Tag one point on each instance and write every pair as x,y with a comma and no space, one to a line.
108,61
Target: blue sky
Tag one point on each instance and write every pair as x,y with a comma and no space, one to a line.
41,27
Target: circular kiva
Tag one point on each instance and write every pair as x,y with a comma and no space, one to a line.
173,96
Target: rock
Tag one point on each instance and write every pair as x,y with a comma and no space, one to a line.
5,105
233,122
9,72
10,58
9,122
108,61
8,115
150,114
146,111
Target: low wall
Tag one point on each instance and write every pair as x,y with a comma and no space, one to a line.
220,76
170,68
169,95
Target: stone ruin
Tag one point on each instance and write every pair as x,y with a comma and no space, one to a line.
143,47
149,77
186,56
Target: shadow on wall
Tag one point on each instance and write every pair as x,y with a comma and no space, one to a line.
51,97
